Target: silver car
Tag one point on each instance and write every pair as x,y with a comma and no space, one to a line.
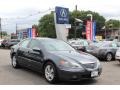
117,55
104,50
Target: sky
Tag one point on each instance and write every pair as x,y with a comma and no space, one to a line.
15,12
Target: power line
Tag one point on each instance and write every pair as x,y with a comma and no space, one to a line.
19,23
26,17
19,20
30,15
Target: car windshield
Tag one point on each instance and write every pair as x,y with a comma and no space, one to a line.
56,45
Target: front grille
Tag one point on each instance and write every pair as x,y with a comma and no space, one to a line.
90,65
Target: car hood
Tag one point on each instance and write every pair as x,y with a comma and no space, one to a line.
80,57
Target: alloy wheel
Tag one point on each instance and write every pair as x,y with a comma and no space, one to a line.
109,57
49,73
14,63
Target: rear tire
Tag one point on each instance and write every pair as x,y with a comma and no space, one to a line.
14,62
50,73
109,57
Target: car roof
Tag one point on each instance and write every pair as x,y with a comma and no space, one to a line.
41,38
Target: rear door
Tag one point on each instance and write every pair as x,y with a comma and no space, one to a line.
111,47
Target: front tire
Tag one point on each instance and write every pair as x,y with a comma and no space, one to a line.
50,73
109,57
14,62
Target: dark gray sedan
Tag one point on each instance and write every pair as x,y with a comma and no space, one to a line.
55,59
105,50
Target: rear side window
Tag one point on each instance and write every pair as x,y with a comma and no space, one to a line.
114,45
106,45
34,44
24,43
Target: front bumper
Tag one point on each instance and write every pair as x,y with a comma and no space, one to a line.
77,75
117,56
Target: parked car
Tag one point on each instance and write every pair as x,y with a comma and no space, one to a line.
56,59
1,40
117,56
105,50
11,42
3,43
79,44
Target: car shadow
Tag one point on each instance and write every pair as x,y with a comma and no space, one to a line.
117,64
82,82
104,61
38,74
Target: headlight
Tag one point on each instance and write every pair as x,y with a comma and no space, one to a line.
70,65
98,63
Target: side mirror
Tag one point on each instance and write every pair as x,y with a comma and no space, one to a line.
37,49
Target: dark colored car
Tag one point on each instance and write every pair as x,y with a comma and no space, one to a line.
11,42
56,59
105,50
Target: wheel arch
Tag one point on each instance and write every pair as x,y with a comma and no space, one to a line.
51,61
109,52
13,54
46,61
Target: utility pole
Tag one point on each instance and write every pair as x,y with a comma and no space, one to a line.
105,30
0,29
76,7
16,31
75,22
16,28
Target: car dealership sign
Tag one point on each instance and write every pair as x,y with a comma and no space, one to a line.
62,15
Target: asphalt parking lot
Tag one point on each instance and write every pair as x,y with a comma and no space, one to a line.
11,76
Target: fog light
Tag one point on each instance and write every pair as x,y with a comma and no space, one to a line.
74,77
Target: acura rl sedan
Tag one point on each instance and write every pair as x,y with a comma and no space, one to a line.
54,58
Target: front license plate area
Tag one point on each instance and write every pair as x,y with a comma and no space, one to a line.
94,73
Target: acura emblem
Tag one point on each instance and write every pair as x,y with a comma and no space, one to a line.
63,13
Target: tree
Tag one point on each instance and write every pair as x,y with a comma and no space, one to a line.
100,20
46,26
3,33
113,24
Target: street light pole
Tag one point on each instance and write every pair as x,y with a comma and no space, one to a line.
91,16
